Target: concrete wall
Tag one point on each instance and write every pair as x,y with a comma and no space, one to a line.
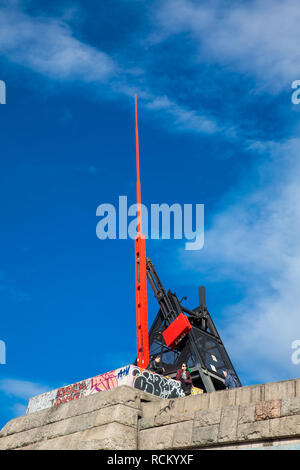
261,416
106,420
256,416
128,375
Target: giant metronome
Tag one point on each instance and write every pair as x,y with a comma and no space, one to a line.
178,335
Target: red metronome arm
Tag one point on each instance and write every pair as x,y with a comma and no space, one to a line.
140,271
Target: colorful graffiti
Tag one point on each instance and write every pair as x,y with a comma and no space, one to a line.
123,372
99,383
71,392
104,382
157,384
109,380
129,375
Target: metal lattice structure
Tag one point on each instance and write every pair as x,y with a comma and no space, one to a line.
201,349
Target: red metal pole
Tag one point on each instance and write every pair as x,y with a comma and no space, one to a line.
140,270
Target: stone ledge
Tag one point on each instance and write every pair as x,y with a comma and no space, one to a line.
250,402
109,420
261,421
120,414
112,436
128,396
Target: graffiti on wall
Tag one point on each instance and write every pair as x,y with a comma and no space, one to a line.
104,382
109,380
71,392
40,402
157,384
130,375
99,383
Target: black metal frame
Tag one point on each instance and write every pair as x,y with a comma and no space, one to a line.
202,348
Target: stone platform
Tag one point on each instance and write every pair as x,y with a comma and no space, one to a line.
130,375
265,416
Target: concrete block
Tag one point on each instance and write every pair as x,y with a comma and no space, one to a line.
125,394
146,423
286,426
33,436
121,414
278,390
222,398
290,406
228,424
120,395
20,439
163,415
248,395
205,435
246,414
57,443
114,414
183,435
267,410
150,410
253,431
207,417
157,438
35,420
195,403
112,436
297,387
179,411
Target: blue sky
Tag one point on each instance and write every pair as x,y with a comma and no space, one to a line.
217,127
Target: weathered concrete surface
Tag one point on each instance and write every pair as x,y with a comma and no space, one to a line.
130,375
260,417
106,420
249,417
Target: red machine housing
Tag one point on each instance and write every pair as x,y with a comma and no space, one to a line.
177,330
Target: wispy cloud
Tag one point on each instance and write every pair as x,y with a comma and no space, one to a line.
260,38
21,389
235,37
253,241
47,46
183,117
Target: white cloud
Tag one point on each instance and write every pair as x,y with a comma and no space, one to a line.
181,117
260,38
47,46
254,242
21,389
